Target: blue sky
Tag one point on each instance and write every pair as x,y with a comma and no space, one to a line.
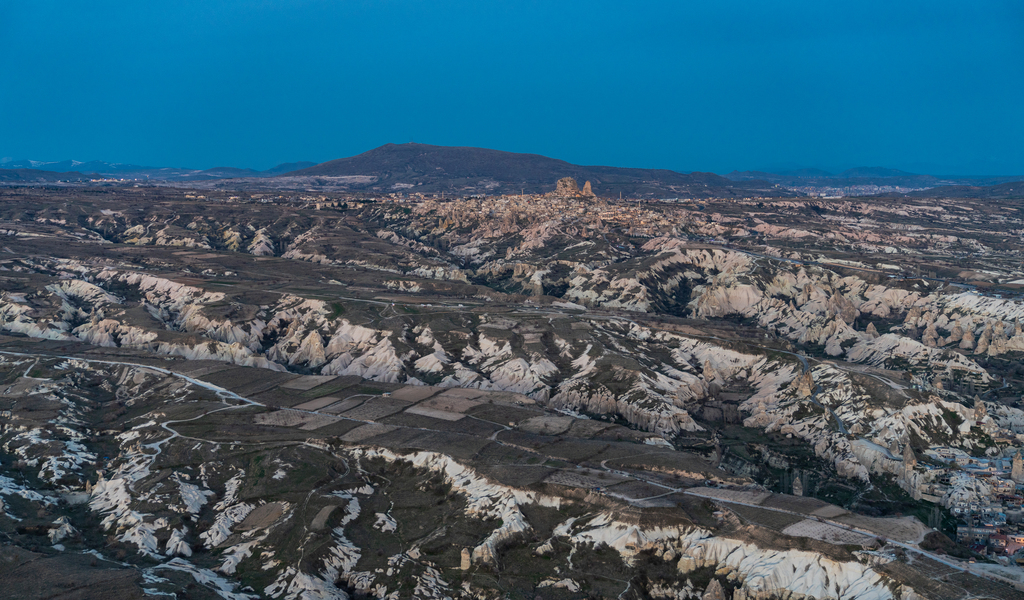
697,85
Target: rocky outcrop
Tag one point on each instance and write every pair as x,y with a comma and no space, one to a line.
714,591
805,385
566,187
262,244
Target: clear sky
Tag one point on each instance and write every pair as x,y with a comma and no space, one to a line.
935,86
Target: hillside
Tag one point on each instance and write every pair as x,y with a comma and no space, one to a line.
462,169
286,167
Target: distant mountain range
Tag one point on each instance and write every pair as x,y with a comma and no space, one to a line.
93,166
465,170
1001,191
30,176
862,176
129,171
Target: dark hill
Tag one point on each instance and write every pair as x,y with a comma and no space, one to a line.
287,167
462,170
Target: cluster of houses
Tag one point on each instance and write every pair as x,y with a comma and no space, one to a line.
986,494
